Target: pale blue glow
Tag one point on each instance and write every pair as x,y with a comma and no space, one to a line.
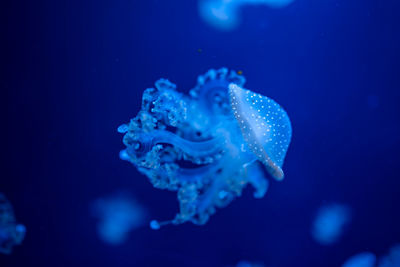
118,216
226,133
329,223
364,259
249,264
225,14
11,233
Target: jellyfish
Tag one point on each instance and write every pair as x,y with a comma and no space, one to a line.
364,259
368,259
392,259
329,223
11,233
225,14
119,214
207,145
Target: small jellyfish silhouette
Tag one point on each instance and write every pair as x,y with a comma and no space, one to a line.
364,259
329,223
225,14
119,214
209,145
11,233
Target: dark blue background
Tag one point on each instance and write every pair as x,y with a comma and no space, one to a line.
73,71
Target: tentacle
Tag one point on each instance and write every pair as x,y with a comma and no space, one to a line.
143,143
212,90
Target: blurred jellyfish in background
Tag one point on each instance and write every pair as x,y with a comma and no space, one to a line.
392,259
225,14
118,215
329,223
368,259
245,263
364,259
207,145
11,233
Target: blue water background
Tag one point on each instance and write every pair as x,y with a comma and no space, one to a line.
73,71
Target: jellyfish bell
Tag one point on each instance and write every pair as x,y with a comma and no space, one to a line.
364,259
265,127
221,14
225,15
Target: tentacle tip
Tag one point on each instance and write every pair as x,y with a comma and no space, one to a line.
155,225
123,128
259,194
123,155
